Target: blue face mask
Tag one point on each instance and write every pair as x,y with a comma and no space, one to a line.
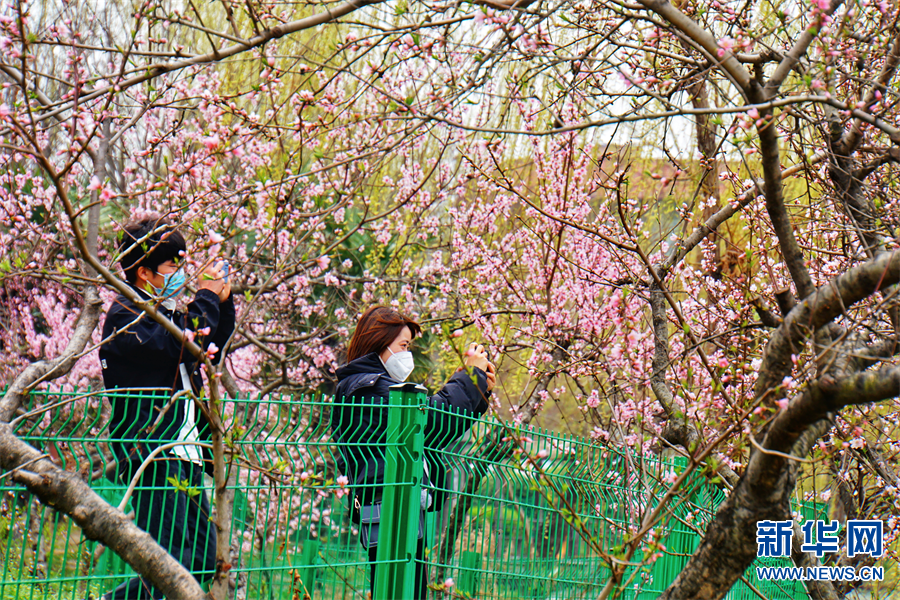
173,285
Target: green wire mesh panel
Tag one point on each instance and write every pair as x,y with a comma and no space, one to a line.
546,515
536,514
291,535
524,513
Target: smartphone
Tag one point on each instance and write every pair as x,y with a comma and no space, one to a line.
224,267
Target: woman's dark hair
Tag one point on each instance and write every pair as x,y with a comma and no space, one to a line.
163,242
377,328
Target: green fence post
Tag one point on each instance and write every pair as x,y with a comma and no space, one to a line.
470,566
395,571
307,572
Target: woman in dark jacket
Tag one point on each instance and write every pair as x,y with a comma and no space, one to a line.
379,357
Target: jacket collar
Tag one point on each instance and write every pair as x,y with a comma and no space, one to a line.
142,293
370,364
144,296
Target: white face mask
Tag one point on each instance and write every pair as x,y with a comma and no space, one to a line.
399,365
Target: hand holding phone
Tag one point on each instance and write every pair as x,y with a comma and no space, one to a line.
476,356
224,268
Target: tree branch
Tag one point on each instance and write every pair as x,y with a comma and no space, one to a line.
820,309
732,67
792,58
854,135
152,71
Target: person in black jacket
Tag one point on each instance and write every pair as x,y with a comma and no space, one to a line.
379,357
138,352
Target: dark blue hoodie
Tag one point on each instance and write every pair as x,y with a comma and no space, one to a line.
359,423
138,352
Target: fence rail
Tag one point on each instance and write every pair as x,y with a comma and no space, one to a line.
530,513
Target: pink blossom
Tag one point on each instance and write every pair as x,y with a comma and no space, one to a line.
215,238
726,44
212,142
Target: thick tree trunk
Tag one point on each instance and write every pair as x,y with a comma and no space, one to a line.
729,545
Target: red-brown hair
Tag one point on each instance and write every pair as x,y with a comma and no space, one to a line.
377,329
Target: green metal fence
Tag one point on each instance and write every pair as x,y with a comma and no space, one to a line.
529,513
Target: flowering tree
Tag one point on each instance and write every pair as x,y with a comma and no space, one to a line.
616,195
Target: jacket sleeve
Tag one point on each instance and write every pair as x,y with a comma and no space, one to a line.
460,403
148,337
225,326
